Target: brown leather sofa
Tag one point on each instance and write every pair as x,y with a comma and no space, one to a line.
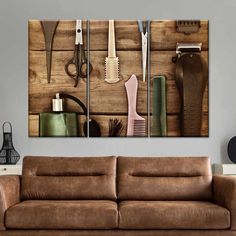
112,196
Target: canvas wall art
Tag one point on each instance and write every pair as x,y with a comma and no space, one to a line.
118,78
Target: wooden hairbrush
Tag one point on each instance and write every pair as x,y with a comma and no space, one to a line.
111,62
136,124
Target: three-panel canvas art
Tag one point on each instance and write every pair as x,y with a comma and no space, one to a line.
118,78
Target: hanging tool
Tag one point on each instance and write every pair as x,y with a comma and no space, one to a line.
191,77
94,128
136,123
49,29
159,122
115,127
77,66
111,62
188,26
144,28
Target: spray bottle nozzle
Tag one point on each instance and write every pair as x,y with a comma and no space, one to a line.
57,103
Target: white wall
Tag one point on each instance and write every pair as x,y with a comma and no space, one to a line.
14,15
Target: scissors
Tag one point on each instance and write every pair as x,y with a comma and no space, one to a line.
79,62
144,30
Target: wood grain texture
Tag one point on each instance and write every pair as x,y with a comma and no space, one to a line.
40,92
64,38
33,127
127,35
113,95
173,126
108,100
165,37
161,63
103,120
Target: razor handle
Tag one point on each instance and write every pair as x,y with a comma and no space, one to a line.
191,79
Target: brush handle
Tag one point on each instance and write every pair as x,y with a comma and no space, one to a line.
131,88
111,40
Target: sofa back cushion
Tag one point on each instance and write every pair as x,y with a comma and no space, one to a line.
61,178
167,178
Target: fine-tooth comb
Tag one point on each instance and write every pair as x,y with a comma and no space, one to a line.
159,126
136,123
111,62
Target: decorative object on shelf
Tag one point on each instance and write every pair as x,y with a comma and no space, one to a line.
78,62
8,154
112,61
232,149
49,29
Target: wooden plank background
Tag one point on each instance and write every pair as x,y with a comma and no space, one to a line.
163,35
108,100
172,122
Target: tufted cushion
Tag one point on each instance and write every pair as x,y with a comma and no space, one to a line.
173,178
62,178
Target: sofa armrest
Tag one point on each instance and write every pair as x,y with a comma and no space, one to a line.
9,195
224,194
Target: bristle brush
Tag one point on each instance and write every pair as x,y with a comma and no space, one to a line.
136,123
115,127
111,62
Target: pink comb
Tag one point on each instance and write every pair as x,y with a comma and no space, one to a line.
136,123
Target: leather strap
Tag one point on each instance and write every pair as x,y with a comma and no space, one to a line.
191,79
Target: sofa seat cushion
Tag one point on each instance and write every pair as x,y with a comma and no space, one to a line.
172,215
44,214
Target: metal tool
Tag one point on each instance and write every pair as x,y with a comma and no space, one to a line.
144,30
77,67
188,26
191,76
49,29
188,47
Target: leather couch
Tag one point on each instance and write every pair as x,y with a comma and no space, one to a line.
112,196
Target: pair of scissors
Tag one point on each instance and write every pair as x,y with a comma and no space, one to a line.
144,30
77,67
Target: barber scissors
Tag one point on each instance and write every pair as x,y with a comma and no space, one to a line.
77,66
144,30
